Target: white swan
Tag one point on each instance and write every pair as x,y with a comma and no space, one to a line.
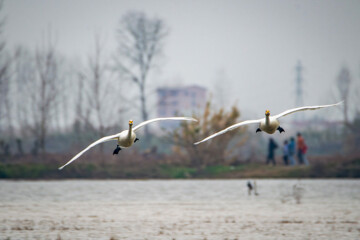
267,124
125,138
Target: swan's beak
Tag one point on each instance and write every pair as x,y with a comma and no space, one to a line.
267,113
130,122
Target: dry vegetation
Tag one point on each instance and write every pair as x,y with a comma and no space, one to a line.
218,151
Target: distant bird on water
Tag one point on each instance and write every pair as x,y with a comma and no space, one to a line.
126,138
269,124
250,187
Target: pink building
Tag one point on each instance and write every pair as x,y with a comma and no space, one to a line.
184,101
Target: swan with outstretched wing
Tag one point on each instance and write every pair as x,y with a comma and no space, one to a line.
269,124
125,138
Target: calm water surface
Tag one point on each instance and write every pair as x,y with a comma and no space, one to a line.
184,209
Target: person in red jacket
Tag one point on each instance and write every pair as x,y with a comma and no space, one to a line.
302,149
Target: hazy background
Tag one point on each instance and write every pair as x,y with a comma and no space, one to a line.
72,72
253,46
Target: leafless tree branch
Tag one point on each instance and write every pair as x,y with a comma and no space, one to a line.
140,43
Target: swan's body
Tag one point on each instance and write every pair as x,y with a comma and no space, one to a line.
269,124
125,138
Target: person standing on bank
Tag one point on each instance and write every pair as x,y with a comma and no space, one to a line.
302,149
292,150
271,154
286,152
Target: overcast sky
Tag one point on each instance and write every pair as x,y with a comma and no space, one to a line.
255,44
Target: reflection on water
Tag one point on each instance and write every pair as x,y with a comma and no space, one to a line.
167,209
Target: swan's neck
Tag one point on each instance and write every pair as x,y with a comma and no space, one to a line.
267,120
130,131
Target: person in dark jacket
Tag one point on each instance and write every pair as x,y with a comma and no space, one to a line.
271,152
285,149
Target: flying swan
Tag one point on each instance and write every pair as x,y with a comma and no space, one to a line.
267,124
125,138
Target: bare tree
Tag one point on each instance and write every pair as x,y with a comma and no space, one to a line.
79,106
37,77
5,104
102,97
140,43
5,62
343,85
45,98
24,76
350,90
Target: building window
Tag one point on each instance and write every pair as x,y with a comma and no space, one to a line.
161,93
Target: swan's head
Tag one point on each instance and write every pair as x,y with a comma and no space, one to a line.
130,123
267,113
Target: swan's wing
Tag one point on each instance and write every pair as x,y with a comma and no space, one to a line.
229,129
287,112
163,119
101,140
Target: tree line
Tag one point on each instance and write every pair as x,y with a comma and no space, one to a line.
42,93
47,99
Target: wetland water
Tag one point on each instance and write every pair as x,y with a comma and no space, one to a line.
179,209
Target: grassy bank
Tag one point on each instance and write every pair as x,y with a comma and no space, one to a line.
161,170
349,169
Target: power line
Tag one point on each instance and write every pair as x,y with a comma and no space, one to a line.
299,90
